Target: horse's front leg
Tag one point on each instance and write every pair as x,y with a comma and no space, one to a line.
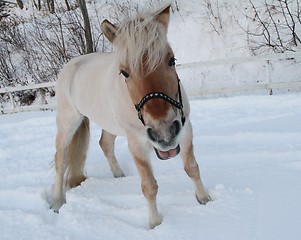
148,182
107,144
191,166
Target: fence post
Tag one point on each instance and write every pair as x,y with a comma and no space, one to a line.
269,78
11,99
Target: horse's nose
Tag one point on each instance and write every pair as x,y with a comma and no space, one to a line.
175,129
171,132
152,135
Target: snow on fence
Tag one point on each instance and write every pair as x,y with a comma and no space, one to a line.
268,85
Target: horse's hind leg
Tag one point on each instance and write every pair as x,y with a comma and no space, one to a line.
77,154
107,144
71,147
191,166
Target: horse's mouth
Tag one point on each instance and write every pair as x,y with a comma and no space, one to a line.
164,155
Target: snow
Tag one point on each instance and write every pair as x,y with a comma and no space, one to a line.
248,148
249,151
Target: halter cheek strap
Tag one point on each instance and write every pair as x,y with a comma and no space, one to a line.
152,95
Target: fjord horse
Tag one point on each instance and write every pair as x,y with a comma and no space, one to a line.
134,92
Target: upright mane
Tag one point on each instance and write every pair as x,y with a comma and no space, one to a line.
141,43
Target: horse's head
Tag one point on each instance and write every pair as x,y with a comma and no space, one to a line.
148,65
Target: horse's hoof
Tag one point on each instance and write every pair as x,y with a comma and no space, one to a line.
155,222
204,200
57,204
55,211
119,175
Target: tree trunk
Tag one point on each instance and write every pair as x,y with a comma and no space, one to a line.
67,5
37,4
87,27
20,4
50,4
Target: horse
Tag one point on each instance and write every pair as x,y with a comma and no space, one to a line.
133,91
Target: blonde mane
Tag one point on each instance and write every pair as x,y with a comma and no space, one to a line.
141,44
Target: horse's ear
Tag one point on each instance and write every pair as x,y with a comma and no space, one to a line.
109,30
163,16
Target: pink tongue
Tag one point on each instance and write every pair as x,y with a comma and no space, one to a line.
168,154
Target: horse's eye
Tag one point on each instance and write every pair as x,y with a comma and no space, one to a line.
172,62
124,73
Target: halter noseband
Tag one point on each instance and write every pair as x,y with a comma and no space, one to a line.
152,95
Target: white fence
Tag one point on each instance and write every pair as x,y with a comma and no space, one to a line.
14,109
267,85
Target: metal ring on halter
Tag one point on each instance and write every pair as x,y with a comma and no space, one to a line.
163,96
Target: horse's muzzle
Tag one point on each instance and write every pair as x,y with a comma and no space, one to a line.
165,140
171,132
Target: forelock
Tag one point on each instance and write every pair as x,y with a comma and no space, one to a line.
141,44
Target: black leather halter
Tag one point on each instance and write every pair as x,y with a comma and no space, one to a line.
152,95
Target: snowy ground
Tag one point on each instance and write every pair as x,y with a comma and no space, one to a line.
249,150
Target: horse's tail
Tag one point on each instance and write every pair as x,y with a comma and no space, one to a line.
77,153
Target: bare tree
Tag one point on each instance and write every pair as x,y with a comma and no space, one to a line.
212,9
37,4
67,5
87,26
3,10
275,25
50,4
20,4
